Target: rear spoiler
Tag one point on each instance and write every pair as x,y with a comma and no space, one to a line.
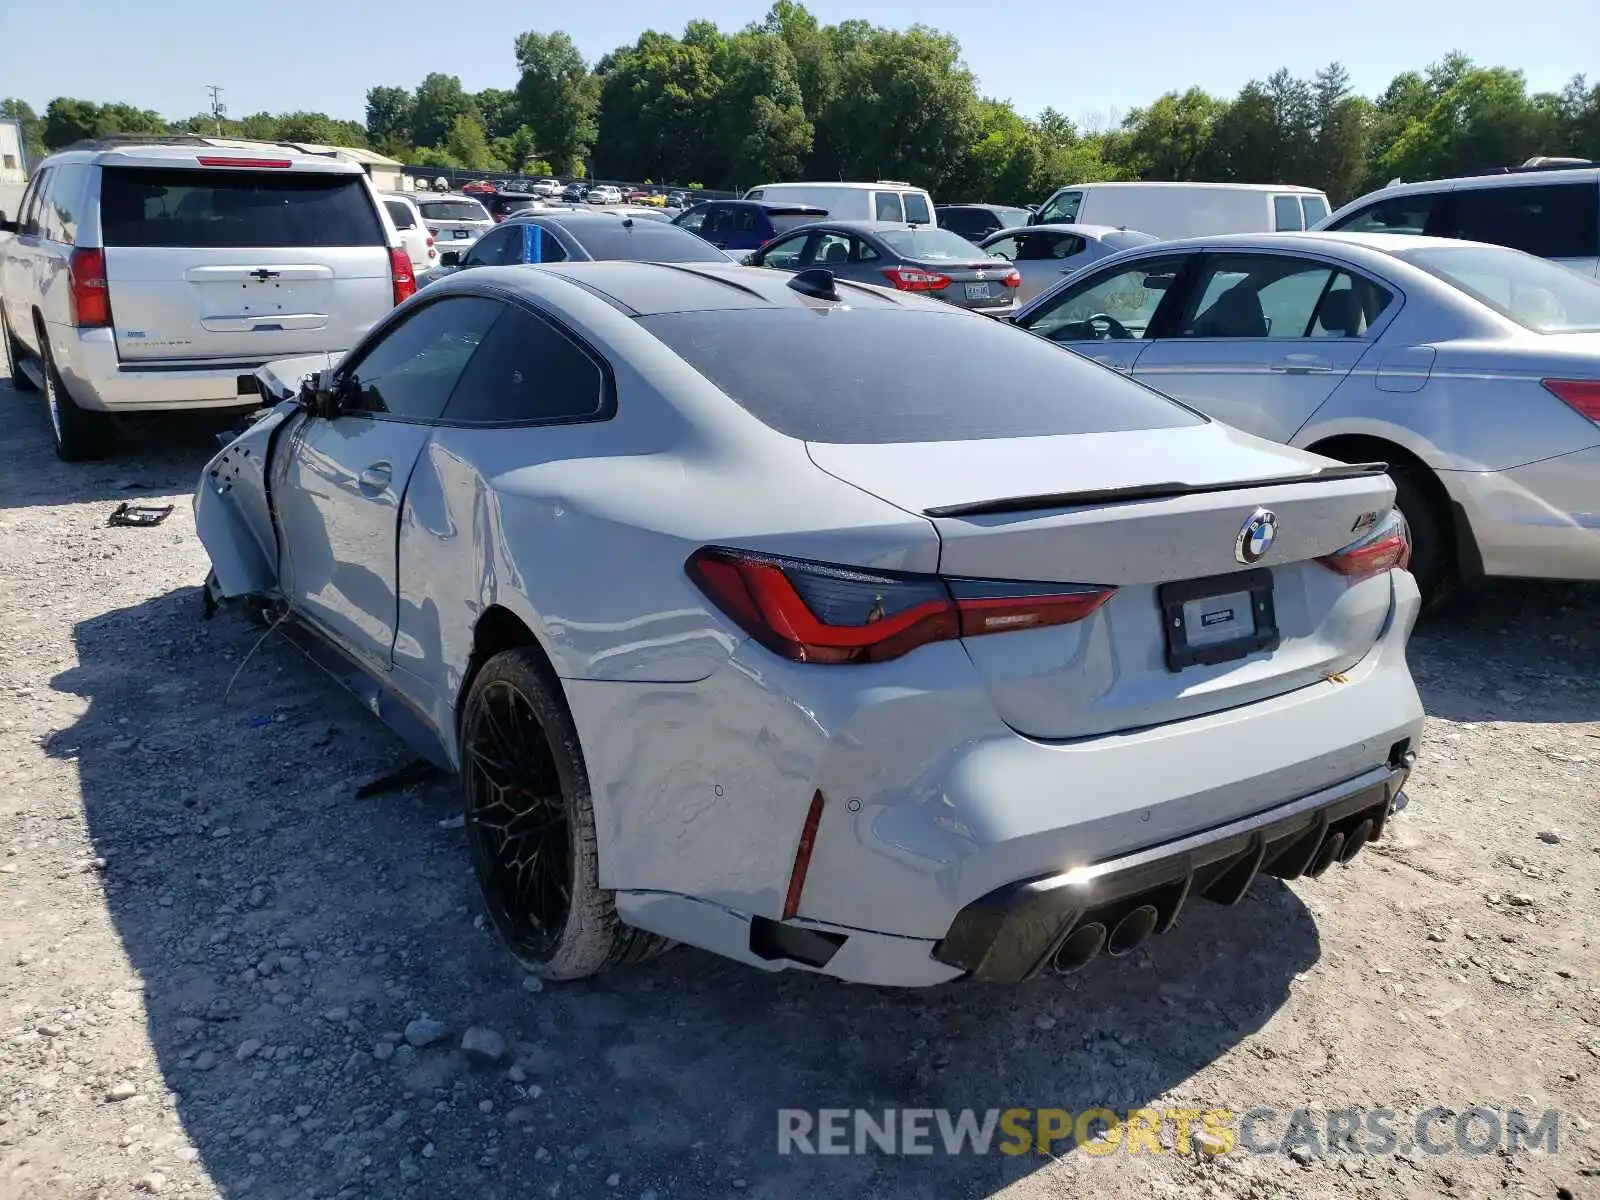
1147,491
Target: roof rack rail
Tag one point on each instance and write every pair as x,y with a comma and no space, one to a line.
1544,163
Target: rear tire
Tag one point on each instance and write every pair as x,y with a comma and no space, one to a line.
530,823
1431,560
81,434
19,380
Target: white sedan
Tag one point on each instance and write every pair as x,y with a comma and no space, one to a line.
1472,370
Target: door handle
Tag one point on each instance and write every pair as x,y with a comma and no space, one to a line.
1302,364
376,478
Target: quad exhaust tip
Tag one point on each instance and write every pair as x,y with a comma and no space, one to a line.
1132,931
1081,946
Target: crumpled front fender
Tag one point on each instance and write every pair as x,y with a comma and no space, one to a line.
232,508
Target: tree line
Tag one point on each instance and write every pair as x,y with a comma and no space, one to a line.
790,97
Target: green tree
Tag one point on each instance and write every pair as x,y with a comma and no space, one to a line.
389,114
438,104
1169,140
468,146
657,99
501,111
1343,121
906,107
557,98
68,120
760,129
32,127
1003,162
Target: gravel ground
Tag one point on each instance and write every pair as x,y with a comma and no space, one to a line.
222,974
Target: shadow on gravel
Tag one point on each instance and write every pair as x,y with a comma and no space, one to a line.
155,454
1512,651
285,931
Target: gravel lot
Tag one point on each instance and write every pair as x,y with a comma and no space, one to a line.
212,952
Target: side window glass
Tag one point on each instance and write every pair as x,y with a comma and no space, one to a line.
1551,221
832,250
32,224
692,220
1112,307
59,211
785,255
1243,296
527,370
917,209
542,246
1348,307
1061,209
1006,248
744,220
494,249
412,369
1400,214
861,252
719,221
886,207
400,214
1315,209
1286,214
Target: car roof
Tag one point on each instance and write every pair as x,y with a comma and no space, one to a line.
125,153
1514,178
860,226
839,183
1096,231
642,289
982,206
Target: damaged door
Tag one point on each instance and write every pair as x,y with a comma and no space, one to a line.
345,480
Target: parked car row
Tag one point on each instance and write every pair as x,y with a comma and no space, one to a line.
843,519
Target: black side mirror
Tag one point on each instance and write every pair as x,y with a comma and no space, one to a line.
319,395
450,258
6,224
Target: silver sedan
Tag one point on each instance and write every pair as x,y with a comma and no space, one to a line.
1044,254
1472,370
823,625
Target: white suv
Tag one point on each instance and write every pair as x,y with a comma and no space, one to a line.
158,274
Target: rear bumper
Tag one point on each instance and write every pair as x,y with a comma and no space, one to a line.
931,803
97,379
1063,920
1539,521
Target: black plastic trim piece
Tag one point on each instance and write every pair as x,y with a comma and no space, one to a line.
774,940
1011,933
1147,491
1171,597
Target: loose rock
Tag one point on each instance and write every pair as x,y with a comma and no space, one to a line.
483,1044
425,1031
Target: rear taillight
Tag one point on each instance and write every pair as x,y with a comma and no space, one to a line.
88,293
1011,279
1386,546
818,613
911,279
430,239
405,280
1580,395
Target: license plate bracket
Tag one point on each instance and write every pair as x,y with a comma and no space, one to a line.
1205,619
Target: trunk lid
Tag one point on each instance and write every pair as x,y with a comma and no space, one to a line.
976,284
207,263
1115,669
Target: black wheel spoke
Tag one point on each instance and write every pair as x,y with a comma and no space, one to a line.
517,819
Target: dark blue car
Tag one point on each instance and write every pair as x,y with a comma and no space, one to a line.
745,224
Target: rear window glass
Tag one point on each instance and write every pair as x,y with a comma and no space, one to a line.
860,376
1538,295
218,208
452,210
928,245
1286,213
1316,209
642,241
917,208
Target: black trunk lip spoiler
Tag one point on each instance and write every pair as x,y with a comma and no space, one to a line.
1147,491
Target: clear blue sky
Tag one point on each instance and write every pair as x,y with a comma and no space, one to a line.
322,55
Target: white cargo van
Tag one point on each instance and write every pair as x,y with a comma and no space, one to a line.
885,200
1180,210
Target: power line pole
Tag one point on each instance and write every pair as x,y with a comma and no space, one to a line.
218,109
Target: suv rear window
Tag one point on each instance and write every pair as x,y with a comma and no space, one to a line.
875,377
217,208
784,220
452,210
1560,220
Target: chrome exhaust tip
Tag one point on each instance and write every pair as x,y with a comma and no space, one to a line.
1130,932
1081,945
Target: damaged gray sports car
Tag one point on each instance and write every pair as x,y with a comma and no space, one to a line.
826,627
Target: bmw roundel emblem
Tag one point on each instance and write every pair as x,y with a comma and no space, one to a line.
1257,536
